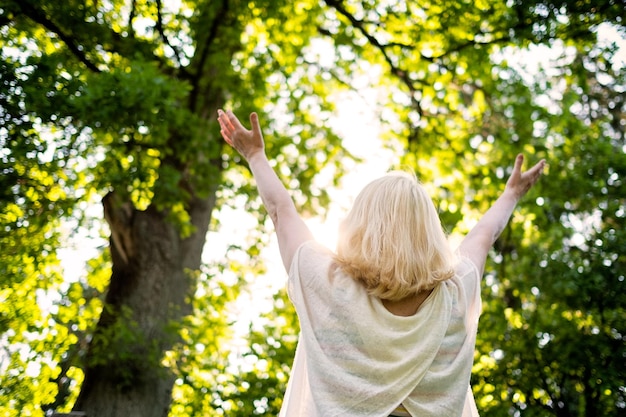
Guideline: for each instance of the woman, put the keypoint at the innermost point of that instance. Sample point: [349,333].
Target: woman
[388,323]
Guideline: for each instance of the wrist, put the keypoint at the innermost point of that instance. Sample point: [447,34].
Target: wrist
[258,155]
[511,194]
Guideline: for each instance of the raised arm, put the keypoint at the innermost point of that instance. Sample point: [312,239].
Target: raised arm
[290,228]
[481,238]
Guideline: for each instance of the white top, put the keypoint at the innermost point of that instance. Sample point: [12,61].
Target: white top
[355,358]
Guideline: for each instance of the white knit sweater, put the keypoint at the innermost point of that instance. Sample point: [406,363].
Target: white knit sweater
[355,358]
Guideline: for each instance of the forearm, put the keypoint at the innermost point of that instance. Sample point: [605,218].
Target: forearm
[272,191]
[481,238]
[496,218]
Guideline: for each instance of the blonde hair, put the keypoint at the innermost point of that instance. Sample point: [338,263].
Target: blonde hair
[392,239]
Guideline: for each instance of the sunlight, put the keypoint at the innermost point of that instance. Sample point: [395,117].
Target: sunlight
[325,231]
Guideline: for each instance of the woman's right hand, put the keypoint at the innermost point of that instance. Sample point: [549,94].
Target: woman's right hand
[520,182]
[483,235]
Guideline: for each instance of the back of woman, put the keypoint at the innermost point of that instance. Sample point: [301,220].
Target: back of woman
[355,358]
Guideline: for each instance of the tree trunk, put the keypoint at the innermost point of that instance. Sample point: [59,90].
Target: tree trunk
[149,292]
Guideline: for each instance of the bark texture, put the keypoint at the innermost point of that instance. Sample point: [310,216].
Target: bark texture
[149,291]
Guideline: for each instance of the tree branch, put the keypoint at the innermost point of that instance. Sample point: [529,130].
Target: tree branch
[205,51]
[37,16]
[131,17]
[161,30]
[402,74]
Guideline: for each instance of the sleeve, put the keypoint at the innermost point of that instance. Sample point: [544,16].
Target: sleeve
[294,289]
[471,280]
[469,408]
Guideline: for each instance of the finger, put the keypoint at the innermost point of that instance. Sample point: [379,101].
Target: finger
[519,160]
[539,166]
[535,172]
[224,121]
[226,137]
[225,127]
[221,116]
[234,121]
[226,133]
[537,169]
[254,122]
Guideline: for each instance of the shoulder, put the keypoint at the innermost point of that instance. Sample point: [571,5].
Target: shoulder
[311,273]
[465,267]
[309,257]
[466,277]
[311,249]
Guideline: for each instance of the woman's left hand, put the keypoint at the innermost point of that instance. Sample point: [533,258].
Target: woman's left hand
[247,142]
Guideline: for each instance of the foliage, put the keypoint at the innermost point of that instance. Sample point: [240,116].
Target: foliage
[121,95]
[562,333]
[259,383]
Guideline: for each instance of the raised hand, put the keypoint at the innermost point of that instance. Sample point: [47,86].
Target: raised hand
[290,228]
[483,235]
[520,182]
[246,142]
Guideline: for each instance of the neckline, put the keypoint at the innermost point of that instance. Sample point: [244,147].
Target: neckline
[408,307]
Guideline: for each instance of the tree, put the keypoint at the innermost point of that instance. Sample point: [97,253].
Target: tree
[117,100]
